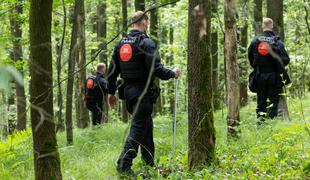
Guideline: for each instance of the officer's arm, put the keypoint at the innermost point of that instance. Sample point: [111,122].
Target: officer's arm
[251,54]
[284,55]
[153,58]
[113,71]
[104,84]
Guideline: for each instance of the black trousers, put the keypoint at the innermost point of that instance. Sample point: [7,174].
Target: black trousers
[268,93]
[141,130]
[96,112]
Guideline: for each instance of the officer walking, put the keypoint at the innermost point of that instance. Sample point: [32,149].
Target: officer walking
[96,87]
[268,57]
[136,59]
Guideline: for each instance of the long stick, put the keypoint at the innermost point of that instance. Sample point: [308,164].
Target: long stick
[175,119]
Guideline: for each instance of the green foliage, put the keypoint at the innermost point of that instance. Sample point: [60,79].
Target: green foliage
[6,74]
[277,150]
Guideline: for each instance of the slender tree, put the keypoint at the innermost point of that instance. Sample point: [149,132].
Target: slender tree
[243,66]
[200,112]
[46,156]
[139,5]
[232,70]
[275,12]
[80,58]
[214,51]
[102,36]
[17,56]
[59,50]
[258,16]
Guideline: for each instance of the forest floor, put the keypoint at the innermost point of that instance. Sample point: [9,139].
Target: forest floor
[278,150]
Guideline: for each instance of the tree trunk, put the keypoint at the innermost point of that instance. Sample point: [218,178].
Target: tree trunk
[102,36]
[80,58]
[200,112]
[46,156]
[11,125]
[17,56]
[154,35]
[171,59]
[258,16]
[243,66]
[275,12]
[232,70]
[71,69]
[139,5]
[214,51]
[60,45]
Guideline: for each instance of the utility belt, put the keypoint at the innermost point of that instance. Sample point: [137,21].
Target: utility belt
[153,91]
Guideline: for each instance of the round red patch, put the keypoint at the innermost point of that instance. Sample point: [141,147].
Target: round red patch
[263,48]
[90,84]
[126,52]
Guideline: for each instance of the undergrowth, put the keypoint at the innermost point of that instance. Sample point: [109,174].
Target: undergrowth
[278,150]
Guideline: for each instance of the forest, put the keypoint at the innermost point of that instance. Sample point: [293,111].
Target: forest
[207,123]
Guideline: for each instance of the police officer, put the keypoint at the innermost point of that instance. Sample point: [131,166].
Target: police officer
[136,59]
[268,57]
[96,88]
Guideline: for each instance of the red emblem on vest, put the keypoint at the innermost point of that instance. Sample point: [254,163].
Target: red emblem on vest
[126,52]
[90,84]
[263,48]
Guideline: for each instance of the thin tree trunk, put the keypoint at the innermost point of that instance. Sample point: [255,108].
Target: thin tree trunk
[102,36]
[171,59]
[243,66]
[83,114]
[17,56]
[214,51]
[60,120]
[70,83]
[10,108]
[258,16]
[275,12]
[200,112]
[139,5]
[46,156]
[232,70]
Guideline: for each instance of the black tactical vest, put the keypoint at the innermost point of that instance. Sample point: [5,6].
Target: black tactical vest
[131,58]
[262,53]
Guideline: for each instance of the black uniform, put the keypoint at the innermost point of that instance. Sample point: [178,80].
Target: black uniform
[133,58]
[94,96]
[268,57]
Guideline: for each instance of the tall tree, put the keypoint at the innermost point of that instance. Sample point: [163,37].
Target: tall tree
[232,70]
[59,50]
[80,58]
[17,56]
[71,67]
[139,5]
[46,156]
[124,22]
[258,16]
[155,37]
[214,51]
[200,112]
[275,12]
[243,66]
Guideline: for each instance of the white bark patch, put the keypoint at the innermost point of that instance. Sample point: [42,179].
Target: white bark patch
[201,20]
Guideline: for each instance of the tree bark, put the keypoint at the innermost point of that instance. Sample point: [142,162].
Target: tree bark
[232,70]
[171,59]
[46,156]
[243,66]
[214,52]
[102,36]
[258,16]
[139,5]
[60,45]
[275,12]
[200,112]
[80,58]
[17,56]
[70,83]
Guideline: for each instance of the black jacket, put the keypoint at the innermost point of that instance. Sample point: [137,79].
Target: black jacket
[149,49]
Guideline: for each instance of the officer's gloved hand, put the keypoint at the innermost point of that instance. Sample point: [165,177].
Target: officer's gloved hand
[177,72]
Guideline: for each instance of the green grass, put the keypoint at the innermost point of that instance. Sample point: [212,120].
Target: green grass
[280,150]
